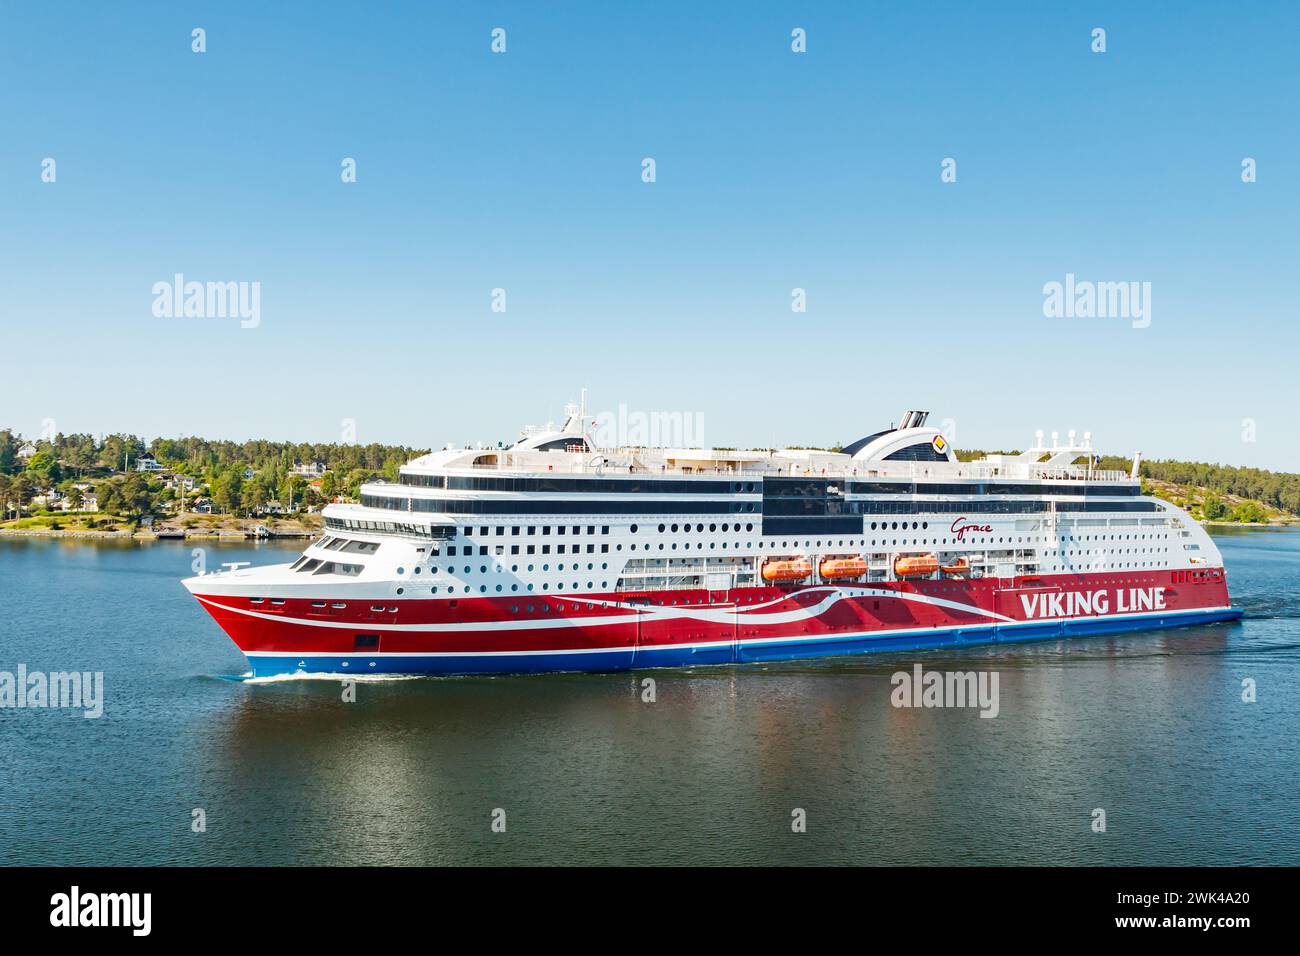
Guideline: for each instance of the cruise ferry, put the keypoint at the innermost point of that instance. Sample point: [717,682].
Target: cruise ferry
[555,554]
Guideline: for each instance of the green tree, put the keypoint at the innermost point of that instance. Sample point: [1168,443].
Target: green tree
[135,497]
[1213,508]
[8,451]
[356,478]
[44,468]
[254,494]
[109,497]
[24,490]
[226,490]
[75,457]
[1250,512]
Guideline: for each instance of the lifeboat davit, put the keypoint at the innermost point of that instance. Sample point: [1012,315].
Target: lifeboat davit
[960,566]
[834,569]
[915,565]
[793,570]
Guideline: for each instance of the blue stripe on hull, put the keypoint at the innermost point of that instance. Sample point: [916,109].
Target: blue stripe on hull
[745,652]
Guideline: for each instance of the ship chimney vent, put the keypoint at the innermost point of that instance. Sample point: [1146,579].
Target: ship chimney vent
[913,419]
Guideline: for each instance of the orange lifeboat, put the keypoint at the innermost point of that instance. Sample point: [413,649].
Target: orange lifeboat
[915,565]
[833,569]
[792,570]
[960,566]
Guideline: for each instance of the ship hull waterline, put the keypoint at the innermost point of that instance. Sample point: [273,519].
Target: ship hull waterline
[606,634]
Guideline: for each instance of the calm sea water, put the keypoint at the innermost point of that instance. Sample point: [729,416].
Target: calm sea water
[1150,727]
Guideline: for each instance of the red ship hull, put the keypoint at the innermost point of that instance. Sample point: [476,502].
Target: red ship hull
[617,631]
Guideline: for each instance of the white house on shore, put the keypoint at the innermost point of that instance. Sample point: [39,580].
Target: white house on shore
[310,469]
[147,463]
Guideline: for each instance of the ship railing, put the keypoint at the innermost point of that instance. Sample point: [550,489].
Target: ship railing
[970,469]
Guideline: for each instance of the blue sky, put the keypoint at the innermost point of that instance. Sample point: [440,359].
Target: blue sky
[775,170]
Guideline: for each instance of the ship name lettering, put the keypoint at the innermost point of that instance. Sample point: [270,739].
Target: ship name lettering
[1087,603]
[960,529]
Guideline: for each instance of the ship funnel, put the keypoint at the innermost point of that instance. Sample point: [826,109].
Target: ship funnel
[913,419]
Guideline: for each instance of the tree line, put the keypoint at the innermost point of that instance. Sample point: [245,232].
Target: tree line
[239,476]
[1276,489]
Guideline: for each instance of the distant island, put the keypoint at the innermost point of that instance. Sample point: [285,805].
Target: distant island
[194,487]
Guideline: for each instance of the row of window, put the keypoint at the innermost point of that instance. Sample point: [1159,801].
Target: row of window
[306,565]
[515,506]
[499,568]
[348,545]
[792,506]
[390,527]
[500,588]
[485,531]
[557,484]
[1093,489]
[468,549]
